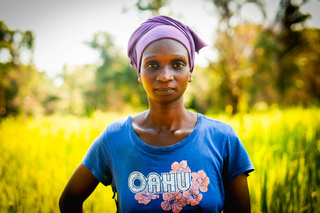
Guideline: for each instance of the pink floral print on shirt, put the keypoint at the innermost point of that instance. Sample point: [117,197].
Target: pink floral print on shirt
[175,201]
[200,180]
[193,197]
[180,167]
[145,197]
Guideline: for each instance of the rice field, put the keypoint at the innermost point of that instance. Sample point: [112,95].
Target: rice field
[39,155]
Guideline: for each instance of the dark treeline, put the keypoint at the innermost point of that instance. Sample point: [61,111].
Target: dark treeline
[259,66]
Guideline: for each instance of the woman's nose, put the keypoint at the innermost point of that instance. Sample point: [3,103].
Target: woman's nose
[165,75]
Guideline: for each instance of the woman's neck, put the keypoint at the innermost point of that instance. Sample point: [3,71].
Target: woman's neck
[167,117]
[164,125]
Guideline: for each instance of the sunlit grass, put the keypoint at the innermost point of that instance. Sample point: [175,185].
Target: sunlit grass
[285,149]
[38,156]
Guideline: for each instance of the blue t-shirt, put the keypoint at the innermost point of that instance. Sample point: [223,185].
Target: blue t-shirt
[188,176]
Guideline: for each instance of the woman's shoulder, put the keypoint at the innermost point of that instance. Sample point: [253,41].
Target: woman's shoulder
[119,124]
[212,124]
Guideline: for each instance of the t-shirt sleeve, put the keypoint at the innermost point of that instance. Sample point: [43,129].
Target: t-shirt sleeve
[237,160]
[97,159]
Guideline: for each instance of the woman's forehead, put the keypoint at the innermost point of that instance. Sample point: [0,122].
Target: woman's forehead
[165,46]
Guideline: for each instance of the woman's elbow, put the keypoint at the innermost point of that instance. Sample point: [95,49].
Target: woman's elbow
[70,204]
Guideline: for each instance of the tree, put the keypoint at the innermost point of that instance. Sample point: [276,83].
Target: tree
[152,5]
[263,88]
[14,76]
[289,41]
[286,56]
[234,46]
[116,82]
[234,65]
[23,90]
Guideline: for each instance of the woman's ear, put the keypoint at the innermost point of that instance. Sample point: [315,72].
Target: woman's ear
[190,77]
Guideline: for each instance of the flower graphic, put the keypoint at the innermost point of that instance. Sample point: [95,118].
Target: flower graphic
[144,197]
[173,201]
[200,180]
[193,197]
[180,167]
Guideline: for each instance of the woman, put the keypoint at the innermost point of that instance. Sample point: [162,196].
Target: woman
[166,158]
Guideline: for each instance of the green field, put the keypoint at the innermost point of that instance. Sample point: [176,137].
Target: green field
[39,155]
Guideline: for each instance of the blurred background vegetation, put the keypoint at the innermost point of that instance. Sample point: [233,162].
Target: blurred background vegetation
[265,82]
[274,64]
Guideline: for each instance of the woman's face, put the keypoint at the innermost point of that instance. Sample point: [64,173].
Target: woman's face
[165,71]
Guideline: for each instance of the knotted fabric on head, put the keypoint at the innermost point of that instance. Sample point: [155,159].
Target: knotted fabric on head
[161,27]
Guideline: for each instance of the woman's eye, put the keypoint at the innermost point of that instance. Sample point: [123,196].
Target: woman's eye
[152,65]
[178,65]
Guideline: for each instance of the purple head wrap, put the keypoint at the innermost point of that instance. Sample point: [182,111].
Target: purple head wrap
[160,27]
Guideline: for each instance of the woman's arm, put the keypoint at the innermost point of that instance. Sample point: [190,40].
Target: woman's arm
[81,184]
[237,195]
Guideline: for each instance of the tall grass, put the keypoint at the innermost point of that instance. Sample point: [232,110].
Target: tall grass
[38,156]
[285,149]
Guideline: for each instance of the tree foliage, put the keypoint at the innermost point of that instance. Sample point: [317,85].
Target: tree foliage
[151,5]
[258,65]
[109,86]
[234,45]
[116,82]
[19,82]
[281,52]
[228,8]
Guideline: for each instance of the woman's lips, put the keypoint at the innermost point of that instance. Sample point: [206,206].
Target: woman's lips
[164,90]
